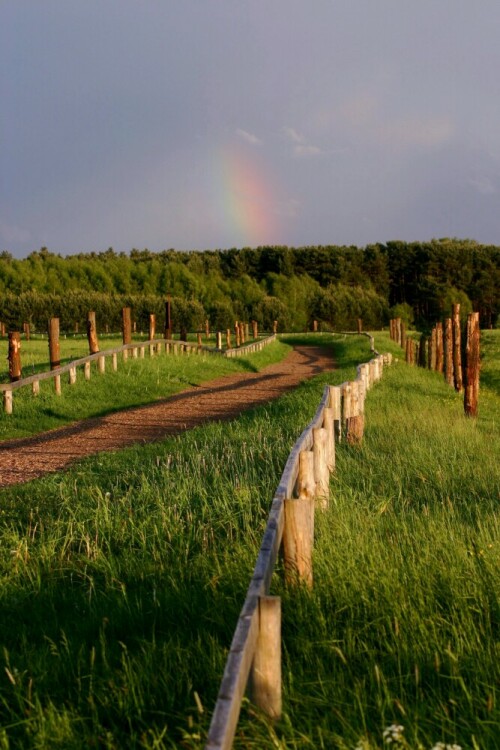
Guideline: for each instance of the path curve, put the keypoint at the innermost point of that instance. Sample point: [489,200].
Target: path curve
[224,398]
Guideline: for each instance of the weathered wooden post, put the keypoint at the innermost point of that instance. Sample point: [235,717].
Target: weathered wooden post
[298,536]
[92,333]
[457,348]
[265,675]
[255,329]
[152,326]
[439,348]
[329,426]
[354,418]
[408,352]
[360,325]
[321,472]
[448,351]
[168,318]
[26,330]
[54,351]
[315,326]
[275,326]
[126,329]
[228,338]
[335,402]
[198,337]
[242,333]
[15,369]
[472,364]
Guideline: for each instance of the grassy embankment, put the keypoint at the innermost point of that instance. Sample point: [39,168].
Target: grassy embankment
[136,382]
[121,580]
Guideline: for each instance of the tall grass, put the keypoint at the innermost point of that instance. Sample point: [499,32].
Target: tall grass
[121,581]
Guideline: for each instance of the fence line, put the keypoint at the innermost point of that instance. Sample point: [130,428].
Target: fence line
[136,349]
[255,651]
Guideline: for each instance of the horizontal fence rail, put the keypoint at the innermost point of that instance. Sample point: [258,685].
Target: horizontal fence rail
[136,349]
[254,657]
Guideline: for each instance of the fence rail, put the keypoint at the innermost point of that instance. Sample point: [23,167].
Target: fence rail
[255,649]
[136,349]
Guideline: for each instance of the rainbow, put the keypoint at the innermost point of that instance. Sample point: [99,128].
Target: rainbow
[246,199]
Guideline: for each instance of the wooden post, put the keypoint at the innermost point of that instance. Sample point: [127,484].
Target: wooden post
[26,330]
[168,318]
[298,535]
[432,352]
[448,351]
[35,388]
[321,473]
[7,402]
[315,326]
[360,325]
[255,329]
[57,385]
[403,335]
[439,348]
[265,676]
[408,352]
[354,419]
[398,331]
[114,359]
[101,365]
[72,375]
[306,483]
[92,333]
[228,338]
[329,425]
[335,403]
[275,326]
[242,333]
[219,340]
[127,325]
[54,351]
[15,369]
[86,370]
[472,365]
[199,340]
[247,331]
[346,402]
[152,326]
[457,348]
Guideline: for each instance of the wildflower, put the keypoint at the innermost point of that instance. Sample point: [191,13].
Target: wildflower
[443,746]
[393,734]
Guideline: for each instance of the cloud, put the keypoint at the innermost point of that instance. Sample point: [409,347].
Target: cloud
[300,145]
[293,136]
[248,137]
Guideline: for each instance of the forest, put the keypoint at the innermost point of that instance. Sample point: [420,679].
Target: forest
[335,285]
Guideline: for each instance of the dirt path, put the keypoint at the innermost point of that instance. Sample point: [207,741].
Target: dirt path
[27,458]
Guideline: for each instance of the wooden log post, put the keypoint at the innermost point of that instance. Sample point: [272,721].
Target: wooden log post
[391,329]
[354,418]
[126,328]
[228,338]
[439,348]
[219,341]
[329,425]
[448,351]
[152,333]
[265,674]
[86,370]
[275,326]
[255,329]
[315,326]
[360,325]
[35,388]
[114,360]
[92,333]
[54,349]
[101,364]
[14,356]
[432,350]
[408,352]
[168,318]
[398,331]
[198,338]
[7,401]
[298,535]
[321,472]
[457,348]
[306,482]
[237,332]
[247,331]
[472,365]
[335,401]
[242,333]
[26,331]
[72,376]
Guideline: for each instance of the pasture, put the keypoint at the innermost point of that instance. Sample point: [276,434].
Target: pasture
[121,579]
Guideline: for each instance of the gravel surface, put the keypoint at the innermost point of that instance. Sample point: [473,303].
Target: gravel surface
[27,458]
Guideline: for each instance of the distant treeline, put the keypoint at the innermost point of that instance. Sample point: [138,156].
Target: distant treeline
[330,284]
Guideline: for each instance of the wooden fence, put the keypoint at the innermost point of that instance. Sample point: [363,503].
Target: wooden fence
[255,652]
[135,350]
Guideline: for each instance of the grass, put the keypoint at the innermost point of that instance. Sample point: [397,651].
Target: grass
[121,581]
[136,382]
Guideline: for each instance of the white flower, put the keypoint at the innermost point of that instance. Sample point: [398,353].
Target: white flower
[393,734]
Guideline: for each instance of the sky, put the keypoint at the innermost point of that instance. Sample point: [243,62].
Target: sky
[203,124]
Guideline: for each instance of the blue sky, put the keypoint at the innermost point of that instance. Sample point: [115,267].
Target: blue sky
[200,124]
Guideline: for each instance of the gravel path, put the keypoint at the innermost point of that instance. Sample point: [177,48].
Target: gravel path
[27,458]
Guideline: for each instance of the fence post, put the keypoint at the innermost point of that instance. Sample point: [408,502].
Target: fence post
[265,676]
[472,362]
[86,370]
[219,340]
[15,369]
[126,329]
[354,420]
[457,348]
[439,348]
[321,473]
[54,352]
[275,326]
[92,333]
[72,375]
[329,425]
[7,401]
[101,365]
[448,351]
[298,535]
[114,359]
[152,334]
[335,403]
[228,338]
[168,318]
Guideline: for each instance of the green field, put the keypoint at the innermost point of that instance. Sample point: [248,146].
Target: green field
[121,580]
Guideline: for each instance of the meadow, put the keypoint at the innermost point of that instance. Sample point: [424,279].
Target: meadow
[121,579]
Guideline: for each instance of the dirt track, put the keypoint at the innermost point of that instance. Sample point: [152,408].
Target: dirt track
[220,399]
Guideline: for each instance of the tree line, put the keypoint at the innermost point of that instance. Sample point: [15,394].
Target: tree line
[335,285]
